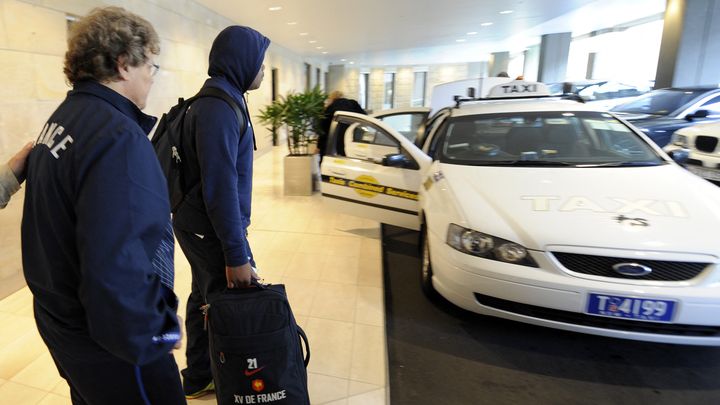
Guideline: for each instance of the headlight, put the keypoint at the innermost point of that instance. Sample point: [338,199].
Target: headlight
[487,246]
[680,140]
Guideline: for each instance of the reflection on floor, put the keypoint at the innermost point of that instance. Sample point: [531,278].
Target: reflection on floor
[331,266]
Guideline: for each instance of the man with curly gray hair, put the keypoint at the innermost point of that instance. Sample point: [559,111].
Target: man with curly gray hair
[96,236]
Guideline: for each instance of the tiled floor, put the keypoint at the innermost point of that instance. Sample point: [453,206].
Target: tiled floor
[331,266]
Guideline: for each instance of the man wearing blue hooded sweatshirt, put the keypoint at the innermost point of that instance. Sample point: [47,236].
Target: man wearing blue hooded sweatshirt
[211,223]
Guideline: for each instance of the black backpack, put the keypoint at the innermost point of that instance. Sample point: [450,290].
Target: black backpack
[172,146]
[256,351]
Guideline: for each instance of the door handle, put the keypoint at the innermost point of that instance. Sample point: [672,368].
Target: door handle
[337,173]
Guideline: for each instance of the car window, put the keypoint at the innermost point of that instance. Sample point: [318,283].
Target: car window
[371,135]
[369,143]
[407,124]
[658,102]
[608,90]
[543,138]
[430,128]
[712,105]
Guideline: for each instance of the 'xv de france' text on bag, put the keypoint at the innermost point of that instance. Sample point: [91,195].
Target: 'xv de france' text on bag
[256,350]
[172,146]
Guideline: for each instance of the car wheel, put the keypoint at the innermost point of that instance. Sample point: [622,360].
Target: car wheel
[426,271]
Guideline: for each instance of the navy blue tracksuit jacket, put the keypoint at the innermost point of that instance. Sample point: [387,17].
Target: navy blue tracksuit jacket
[96,211]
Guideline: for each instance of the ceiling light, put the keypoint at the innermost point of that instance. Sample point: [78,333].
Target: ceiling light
[319,47]
[352,63]
[325,52]
[302,34]
[472,33]
[487,24]
[343,60]
[461,40]
[312,42]
[506,12]
[292,23]
[275,8]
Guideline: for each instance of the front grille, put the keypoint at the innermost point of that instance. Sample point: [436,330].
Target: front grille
[602,266]
[706,143]
[575,318]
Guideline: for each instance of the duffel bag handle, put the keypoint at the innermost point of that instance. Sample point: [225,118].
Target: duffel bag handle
[304,339]
[253,282]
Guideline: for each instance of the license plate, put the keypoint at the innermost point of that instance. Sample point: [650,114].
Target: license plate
[643,309]
[704,172]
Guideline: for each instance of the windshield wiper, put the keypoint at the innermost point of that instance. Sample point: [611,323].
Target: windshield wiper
[528,163]
[629,112]
[622,164]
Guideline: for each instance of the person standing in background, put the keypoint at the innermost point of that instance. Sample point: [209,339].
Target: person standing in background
[335,102]
[97,244]
[12,174]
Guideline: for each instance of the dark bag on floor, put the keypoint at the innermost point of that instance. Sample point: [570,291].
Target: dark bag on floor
[256,352]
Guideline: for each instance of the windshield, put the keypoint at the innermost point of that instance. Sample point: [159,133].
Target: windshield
[543,139]
[658,102]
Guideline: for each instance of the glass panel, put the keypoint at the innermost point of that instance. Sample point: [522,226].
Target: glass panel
[406,124]
[658,102]
[363,93]
[371,135]
[418,97]
[389,101]
[712,105]
[544,139]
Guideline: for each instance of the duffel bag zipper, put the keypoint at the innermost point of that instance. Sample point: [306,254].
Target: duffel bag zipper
[204,310]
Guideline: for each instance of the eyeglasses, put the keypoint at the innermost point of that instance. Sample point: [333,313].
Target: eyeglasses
[154,68]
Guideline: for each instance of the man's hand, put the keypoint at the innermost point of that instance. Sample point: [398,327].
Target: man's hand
[239,276]
[17,162]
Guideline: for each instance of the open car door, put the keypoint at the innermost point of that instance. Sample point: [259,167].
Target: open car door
[372,171]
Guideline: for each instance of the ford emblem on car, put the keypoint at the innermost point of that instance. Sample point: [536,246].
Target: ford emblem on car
[632,269]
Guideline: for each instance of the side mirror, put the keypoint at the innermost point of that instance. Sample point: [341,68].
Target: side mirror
[680,156]
[697,114]
[399,160]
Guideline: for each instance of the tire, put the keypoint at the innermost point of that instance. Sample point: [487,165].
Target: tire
[426,271]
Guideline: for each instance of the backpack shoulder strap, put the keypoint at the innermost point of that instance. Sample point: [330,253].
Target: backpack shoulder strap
[217,93]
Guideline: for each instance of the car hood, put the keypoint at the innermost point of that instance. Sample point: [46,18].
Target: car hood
[658,127]
[659,208]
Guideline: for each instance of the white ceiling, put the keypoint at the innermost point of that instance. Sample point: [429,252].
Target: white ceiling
[423,31]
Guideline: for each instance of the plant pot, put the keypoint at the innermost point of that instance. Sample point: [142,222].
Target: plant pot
[299,145]
[298,174]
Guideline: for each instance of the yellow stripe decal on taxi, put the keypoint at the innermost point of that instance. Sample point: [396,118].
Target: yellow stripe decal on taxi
[367,186]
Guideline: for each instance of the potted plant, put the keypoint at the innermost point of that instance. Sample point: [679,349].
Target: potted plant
[273,115]
[299,113]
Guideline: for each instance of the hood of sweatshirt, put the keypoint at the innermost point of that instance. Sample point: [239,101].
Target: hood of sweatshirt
[237,55]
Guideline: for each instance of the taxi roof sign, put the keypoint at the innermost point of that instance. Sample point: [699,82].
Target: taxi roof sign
[519,88]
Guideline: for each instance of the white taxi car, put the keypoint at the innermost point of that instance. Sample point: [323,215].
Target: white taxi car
[543,211]
[703,144]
